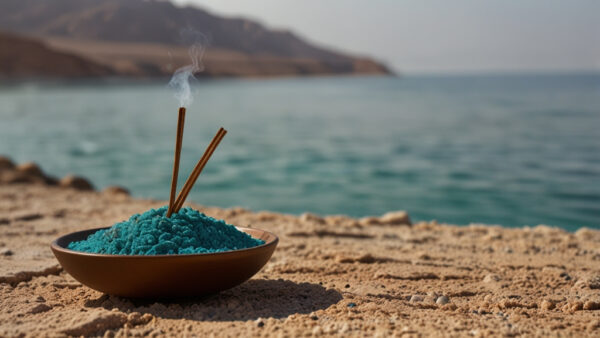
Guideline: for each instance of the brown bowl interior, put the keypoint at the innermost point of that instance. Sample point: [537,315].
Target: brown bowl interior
[161,276]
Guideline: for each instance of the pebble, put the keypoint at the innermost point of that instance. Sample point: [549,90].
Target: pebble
[27,216]
[259,322]
[589,305]
[547,305]
[365,221]
[30,169]
[565,276]
[351,305]
[6,163]
[442,300]
[396,218]
[311,218]
[115,190]
[416,298]
[75,182]
[6,252]
[593,282]
[491,278]
[42,307]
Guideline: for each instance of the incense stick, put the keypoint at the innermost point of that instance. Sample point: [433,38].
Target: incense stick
[187,187]
[178,142]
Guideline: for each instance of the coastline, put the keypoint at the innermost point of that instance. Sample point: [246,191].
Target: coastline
[331,275]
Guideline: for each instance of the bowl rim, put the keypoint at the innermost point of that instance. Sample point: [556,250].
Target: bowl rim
[56,247]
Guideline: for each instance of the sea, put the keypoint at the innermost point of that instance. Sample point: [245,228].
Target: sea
[512,150]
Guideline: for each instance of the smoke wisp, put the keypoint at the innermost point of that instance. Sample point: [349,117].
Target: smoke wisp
[180,82]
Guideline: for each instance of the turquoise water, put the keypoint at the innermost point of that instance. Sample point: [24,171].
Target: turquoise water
[510,150]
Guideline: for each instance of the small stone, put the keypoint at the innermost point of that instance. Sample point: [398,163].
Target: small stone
[547,305]
[6,163]
[565,276]
[347,286]
[442,300]
[576,306]
[491,278]
[585,233]
[75,182]
[594,282]
[6,252]
[311,218]
[16,177]
[115,190]
[30,169]
[39,299]
[133,318]
[366,221]
[136,318]
[147,317]
[433,294]
[396,218]
[351,305]
[415,299]
[259,322]
[366,258]
[43,307]
[27,216]
[265,216]
[449,307]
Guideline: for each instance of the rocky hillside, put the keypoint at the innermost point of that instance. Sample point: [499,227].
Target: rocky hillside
[160,23]
[26,58]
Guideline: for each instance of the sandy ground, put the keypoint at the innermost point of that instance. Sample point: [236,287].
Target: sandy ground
[332,276]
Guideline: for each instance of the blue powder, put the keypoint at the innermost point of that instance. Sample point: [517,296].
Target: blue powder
[152,233]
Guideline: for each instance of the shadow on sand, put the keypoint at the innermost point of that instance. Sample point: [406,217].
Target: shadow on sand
[255,298]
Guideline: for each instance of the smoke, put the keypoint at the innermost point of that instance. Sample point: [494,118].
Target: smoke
[180,82]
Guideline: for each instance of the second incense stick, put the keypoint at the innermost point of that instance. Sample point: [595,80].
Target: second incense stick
[178,143]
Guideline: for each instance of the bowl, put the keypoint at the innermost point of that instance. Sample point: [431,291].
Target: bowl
[163,276]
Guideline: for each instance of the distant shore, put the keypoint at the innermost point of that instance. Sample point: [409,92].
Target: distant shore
[26,57]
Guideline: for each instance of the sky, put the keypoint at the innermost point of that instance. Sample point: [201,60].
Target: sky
[439,36]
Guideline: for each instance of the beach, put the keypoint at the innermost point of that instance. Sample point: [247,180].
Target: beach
[332,275]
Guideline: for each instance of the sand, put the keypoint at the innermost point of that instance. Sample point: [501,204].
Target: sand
[330,275]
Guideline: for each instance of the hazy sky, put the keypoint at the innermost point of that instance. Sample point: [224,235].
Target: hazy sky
[428,36]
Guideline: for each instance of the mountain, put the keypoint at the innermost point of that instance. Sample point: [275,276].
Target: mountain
[28,58]
[250,47]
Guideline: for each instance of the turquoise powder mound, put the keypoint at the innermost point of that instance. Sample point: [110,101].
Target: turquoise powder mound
[152,233]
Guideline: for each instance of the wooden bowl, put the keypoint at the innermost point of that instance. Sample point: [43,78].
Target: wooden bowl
[159,276]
